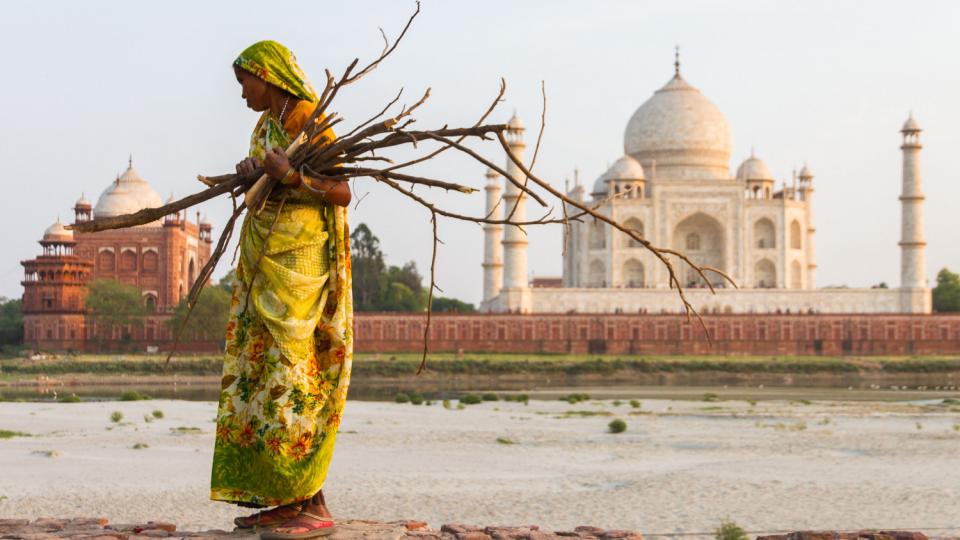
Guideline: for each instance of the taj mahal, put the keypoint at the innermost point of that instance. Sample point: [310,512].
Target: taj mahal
[673,185]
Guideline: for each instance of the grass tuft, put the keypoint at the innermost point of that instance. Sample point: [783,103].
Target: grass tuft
[116,417]
[7,434]
[617,426]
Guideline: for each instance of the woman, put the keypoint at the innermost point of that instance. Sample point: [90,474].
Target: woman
[289,342]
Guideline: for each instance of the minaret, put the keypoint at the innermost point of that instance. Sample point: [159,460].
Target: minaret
[806,192]
[492,236]
[514,239]
[913,267]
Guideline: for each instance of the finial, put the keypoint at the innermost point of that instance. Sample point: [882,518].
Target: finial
[130,161]
[576,176]
[676,60]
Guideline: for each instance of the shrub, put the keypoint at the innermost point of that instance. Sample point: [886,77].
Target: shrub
[140,446]
[617,426]
[710,396]
[490,397]
[575,398]
[401,397]
[133,395]
[617,403]
[158,414]
[7,434]
[504,440]
[446,404]
[729,530]
[416,398]
[72,398]
[635,403]
[116,416]
[470,399]
[523,398]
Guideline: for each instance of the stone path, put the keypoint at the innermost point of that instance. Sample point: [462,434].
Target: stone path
[101,529]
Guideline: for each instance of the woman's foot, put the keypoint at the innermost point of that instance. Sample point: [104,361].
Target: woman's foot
[314,520]
[269,518]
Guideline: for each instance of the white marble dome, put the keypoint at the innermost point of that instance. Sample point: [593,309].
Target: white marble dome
[678,126]
[129,193]
[910,125]
[753,168]
[57,233]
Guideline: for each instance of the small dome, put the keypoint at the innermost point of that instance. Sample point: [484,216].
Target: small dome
[57,233]
[910,125]
[129,193]
[753,168]
[625,168]
[82,202]
[805,172]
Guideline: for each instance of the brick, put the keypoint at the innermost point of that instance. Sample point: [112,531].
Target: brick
[588,530]
[473,535]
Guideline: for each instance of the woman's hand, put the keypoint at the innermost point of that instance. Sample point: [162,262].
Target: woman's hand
[275,163]
[248,165]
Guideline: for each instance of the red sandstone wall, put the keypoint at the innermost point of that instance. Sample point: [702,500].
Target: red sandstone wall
[742,334]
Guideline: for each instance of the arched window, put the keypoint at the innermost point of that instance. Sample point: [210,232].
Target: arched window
[765,274]
[764,234]
[128,260]
[635,225]
[597,235]
[796,275]
[796,241]
[633,273]
[150,301]
[598,274]
[106,262]
[693,241]
[150,261]
[191,270]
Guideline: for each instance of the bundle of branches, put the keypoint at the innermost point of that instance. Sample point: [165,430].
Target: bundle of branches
[360,153]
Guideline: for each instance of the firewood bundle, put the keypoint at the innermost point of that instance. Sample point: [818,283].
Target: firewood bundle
[364,151]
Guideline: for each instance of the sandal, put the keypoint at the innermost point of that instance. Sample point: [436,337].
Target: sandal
[315,526]
[267,518]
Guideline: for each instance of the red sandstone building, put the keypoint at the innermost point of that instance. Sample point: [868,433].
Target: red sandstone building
[161,259]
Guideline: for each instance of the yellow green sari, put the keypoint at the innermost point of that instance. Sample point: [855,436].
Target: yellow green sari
[289,340]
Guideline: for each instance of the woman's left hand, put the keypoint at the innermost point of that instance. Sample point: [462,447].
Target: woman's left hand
[275,163]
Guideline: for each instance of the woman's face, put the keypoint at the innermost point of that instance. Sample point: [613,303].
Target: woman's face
[256,91]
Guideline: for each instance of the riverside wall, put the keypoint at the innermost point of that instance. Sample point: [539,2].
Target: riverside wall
[663,334]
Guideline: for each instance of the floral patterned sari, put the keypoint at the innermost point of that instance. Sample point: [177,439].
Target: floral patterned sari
[289,340]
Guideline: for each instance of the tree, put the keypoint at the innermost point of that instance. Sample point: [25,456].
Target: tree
[452,305]
[112,304]
[11,323]
[369,270]
[226,282]
[208,320]
[946,295]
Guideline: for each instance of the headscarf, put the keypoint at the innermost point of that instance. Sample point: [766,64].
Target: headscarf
[275,64]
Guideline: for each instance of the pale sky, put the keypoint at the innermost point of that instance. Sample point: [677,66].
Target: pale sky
[84,84]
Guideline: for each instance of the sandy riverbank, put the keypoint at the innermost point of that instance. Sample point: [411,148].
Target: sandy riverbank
[681,466]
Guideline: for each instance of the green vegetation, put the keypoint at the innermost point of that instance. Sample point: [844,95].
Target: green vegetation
[401,364]
[946,295]
[416,398]
[710,396]
[70,398]
[617,403]
[635,403]
[470,399]
[116,417]
[587,413]
[140,446]
[490,397]
[186,430]
[11,326]
[377,287]
[574,398]
[7,434]
[133,395]
[504,440]
[209,316]
[617,426]
[114,305]
[157,413]
[729,530]
[402,397]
